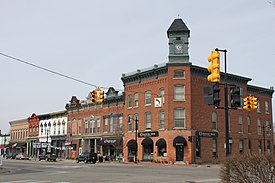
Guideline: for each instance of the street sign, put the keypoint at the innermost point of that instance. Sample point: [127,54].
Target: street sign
[206,134]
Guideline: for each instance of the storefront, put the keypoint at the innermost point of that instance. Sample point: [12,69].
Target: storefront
[111,148]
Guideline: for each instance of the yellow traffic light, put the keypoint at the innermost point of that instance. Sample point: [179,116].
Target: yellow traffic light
[214,67]
[254,103]
[247,103]
[100,96]
[94,96]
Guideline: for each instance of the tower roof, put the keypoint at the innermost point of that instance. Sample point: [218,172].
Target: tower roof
[178,26]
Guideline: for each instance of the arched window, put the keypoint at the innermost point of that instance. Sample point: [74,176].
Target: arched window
[161,144]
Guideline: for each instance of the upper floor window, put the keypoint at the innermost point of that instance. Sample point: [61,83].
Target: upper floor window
[179,92]
[148,97]
[148,121]
[179,118]
[241,145]
[112,124]
[86,125]
[214,121]
[161,119]
[92,125]
[136,100]
[259,106]
[248,125]
[98,125]
[259,127]
[267,127]
[130,123]
[266,107]
[161,94]
[130,101]
[120,118]
[106,125]
[178,74]
[240,124]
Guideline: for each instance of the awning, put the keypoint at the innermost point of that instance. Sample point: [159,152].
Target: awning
[132,144]
[21,144]
[147,142]
[179,141]
[161,143]
[10,145]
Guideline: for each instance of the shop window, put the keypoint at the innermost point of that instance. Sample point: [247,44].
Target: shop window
[214,149]
[161,144]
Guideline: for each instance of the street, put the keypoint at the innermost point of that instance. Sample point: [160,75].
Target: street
[67,171]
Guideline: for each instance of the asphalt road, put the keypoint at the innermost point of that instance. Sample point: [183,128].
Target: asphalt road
[24,171]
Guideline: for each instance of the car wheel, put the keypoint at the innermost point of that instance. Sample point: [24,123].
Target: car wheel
[47,159]
[39,159]
[85,161]
[77,161]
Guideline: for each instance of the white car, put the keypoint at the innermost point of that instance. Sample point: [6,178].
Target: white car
[21,156]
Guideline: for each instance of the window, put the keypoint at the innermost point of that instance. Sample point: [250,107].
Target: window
[259,127]
[249,145]
[98,125]
[161,94]
[179,92]
[63,129]
[259,106]
[86,125]
[161,144]
[268,146]
[92,125]
[214,121]
[148,120]
[136,100]
[161,119]
[240,124]
[79,130]
[214,150]
[241,145]
[135,122]
[120,123]
[266,107]
[112,124]
[248,125]
[130,126]
[148,98]
[267,127]
[130,101]
[178,74]
[179,117]
[106,126]
[260,145]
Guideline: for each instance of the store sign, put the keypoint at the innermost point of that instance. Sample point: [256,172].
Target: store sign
[206,134]
[148,134]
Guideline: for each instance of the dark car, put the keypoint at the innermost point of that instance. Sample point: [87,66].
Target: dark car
[87,157]
[10,155]
[47,157]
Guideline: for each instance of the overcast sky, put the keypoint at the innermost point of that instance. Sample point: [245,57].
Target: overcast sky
[97,41]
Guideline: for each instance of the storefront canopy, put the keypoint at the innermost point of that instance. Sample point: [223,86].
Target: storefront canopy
[161,143]
[147,142]
[132,144]
[179,141]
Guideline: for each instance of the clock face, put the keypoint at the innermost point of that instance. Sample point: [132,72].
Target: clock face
[178,48]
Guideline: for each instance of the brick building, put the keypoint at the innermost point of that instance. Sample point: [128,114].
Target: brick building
[161,114]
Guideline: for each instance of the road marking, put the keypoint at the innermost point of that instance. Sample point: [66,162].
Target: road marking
[32,181]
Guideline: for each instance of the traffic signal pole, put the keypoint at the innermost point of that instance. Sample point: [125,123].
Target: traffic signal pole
[225,103]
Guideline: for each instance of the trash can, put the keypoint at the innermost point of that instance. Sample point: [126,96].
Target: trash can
[100,159]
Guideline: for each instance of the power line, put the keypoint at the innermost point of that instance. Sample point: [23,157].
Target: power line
[47,70]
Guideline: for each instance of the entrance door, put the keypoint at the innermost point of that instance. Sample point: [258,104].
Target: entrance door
[179,152]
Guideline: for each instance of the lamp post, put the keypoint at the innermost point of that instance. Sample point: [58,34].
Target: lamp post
[136,134]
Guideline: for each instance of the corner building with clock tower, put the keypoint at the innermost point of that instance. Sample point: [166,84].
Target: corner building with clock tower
[161,115]
[165,112]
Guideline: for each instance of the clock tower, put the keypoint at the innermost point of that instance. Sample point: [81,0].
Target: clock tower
[178,34]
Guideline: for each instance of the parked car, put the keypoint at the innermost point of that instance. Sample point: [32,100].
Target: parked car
[10,156]
[87,157]
[47,157]
[21,156]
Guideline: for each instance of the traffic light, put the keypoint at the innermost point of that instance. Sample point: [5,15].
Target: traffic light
[94,96]
[216,94]
[214,67]
[254,103]
[235,93]
[100,96]
[247,101]
[213,92]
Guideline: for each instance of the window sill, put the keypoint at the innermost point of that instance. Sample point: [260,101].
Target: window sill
[179,78]
[182,100]
[147,105]
[179,128]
